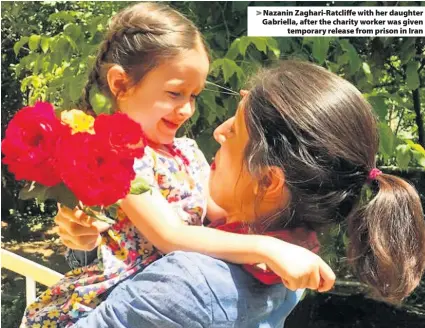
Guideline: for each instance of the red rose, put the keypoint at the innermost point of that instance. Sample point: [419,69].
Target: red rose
[96,173]
[30,143]
[124,134]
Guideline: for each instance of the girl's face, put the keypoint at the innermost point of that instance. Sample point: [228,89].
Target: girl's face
[165,98]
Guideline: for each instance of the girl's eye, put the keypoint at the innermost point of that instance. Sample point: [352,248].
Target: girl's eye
[194,96]
[174,94]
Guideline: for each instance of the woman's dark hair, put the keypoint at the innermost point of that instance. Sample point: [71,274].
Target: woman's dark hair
[139,38]
[321,132]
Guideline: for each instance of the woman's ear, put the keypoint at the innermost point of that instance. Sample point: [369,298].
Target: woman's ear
[118,81]
[271,184]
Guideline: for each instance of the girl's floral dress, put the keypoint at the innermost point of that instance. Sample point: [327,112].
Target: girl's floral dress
[124,250]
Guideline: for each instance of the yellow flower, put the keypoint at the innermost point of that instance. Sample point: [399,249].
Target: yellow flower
[34,306]
[77,271]
[115,235]
[78,121]
[121,254]
[46,297]
[36,325]
[165,192]
[75,298]
[49,324]
[89,297]
[53,314]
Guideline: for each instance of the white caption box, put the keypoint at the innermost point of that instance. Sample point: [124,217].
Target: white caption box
[336,21]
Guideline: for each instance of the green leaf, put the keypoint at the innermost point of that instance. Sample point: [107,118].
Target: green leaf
[320,48]
[418,148]
[72,30]
[98,216]
[407,53]
[18,45]
[71,42]
[367,71]
[76,87]
[113,211]
[66,16]
[233,51]
[44,43]
[285,44]
[260,44]
[379,106]
[355,60]
[420,158]
[229,68]
[139,186]
[386,140]
[273,46]
[403,156]
[62,194]
[33,42]
[208,98]
[412,76]
[216,64]
[33,190]
[245,41]
[195,117]
[100,103]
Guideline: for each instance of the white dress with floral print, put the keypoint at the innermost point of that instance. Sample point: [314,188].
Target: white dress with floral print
[124,250]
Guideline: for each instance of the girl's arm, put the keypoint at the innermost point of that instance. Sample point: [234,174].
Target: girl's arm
[154,217]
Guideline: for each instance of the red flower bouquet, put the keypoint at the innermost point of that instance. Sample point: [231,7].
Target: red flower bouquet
[76,160]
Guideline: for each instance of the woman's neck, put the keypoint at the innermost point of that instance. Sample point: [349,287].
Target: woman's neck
[238,216]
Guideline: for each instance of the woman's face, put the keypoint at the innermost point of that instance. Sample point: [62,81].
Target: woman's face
[231,186]
[165,98]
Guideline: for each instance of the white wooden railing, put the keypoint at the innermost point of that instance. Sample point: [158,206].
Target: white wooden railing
[32,271]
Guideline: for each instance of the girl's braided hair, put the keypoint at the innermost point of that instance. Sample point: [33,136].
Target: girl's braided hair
[139,38]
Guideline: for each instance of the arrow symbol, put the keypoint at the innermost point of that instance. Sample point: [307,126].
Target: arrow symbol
[258,12]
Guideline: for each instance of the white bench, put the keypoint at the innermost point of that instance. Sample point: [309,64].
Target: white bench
[32,271]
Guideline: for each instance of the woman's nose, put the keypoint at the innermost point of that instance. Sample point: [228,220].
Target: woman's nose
[222,130]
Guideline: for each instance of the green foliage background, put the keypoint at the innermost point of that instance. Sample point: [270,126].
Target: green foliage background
[49,47]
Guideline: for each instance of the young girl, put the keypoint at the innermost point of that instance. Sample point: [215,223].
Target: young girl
[153,64]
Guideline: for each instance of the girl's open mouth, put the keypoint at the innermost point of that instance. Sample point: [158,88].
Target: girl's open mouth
[170,125]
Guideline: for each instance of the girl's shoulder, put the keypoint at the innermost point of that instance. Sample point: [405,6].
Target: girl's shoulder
[190,149]
[186,143]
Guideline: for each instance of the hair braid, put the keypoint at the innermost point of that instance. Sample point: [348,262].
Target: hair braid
[93,78]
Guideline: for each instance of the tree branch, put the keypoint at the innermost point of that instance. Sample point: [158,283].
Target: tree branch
[419,119]
[386,84]
[400,118]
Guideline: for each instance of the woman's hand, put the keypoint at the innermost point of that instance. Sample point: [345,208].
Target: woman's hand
[77,230]
[297,266]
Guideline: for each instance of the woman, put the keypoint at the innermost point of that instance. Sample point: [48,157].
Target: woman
[289,160]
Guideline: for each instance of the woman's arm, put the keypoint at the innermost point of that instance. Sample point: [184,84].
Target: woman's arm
[298,267]
[214,212]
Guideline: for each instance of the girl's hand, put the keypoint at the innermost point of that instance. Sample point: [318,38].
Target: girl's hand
[297,266]
[77,230]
